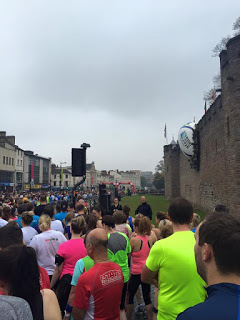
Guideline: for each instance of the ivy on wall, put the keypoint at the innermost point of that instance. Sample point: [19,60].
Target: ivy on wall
[195,159]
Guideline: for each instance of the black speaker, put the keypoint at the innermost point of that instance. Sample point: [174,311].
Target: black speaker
[78,162]
[102,189]
[102,195]
[108,202]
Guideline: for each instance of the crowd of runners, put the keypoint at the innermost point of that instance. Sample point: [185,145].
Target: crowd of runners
[64,261]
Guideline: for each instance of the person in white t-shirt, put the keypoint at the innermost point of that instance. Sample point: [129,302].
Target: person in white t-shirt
[28,232]
[2,221]
[46,244]
[55,224]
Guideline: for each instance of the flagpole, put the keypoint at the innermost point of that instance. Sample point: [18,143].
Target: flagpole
[165,133]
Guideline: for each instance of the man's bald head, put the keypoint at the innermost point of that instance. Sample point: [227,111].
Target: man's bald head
[98,238]
[143,199]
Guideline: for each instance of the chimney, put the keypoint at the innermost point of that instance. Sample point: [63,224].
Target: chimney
[11,139]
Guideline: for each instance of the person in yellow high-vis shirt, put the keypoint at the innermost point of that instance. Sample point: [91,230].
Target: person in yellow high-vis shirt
[172,260]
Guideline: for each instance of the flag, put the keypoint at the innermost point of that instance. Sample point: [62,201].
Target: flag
[32,171]
[213,95]
[165,131]
[205,107]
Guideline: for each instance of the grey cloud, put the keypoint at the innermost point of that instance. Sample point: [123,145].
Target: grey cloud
[138,64]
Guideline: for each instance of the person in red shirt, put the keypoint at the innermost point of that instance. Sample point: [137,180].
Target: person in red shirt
[98,291]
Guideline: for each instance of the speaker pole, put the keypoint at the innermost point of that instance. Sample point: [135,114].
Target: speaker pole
[75,187]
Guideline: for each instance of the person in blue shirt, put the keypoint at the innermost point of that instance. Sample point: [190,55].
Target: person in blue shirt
[61,215]
[217,255]
[27,207]
[196,221]
[126,211]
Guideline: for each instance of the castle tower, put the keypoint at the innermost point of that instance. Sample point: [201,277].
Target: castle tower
[230,78]
[218,180]
[171,175]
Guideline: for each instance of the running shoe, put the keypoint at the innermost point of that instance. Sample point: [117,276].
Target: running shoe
[140,308]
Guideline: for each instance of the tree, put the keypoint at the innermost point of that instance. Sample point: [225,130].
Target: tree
[236,27]
[143,182]
[220,46]
[217,81]
[210,95]
[158,181]
[160,166]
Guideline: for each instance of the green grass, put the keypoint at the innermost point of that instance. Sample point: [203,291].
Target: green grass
[157,203]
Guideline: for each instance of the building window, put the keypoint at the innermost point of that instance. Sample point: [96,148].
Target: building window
[66,183]
[21,162]
[3,159]
[6,176]
[36,169]
[18,162]
[54,183]
[45,172]
[12,161]
[55,176]
[66,176]
[6,160]
[18,151]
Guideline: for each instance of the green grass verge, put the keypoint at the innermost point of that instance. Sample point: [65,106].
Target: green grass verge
[157,203]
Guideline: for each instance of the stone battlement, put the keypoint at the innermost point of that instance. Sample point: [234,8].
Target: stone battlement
[218,179]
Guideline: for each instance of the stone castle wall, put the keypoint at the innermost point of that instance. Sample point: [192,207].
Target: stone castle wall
[218,180]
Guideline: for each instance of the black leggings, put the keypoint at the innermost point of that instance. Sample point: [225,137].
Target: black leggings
[63,290]
[123,298]
[134,283]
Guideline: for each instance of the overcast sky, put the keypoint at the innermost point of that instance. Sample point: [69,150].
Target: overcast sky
[109,73]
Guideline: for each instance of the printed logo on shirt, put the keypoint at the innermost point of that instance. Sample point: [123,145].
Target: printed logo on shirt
[110,277]
[52,239]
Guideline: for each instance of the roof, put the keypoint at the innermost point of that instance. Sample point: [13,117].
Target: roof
[173,142]
[88,166]
[58,171]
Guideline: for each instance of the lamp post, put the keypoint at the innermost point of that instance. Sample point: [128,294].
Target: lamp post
[61,174]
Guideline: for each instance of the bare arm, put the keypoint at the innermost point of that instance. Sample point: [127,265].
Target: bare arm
[78,314]
[99,224]
[51,310]
[70,300]
[157,233]
[153,237]
[148,276]
[56,274]
[133,243]
[71,296]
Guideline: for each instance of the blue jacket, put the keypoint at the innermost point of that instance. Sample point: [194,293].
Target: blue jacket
[223,303]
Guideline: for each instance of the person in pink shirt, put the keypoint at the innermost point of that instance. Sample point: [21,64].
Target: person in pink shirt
[140,243]
[68,254]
